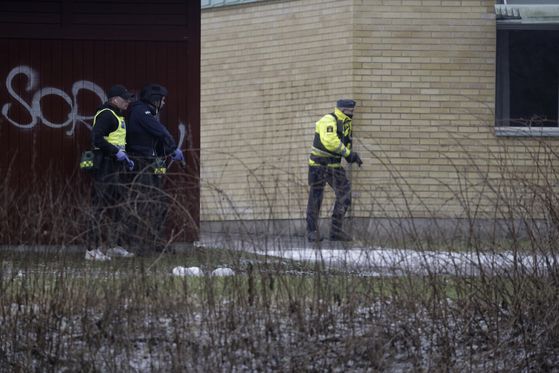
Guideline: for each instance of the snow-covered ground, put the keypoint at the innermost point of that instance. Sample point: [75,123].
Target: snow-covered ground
[382,261]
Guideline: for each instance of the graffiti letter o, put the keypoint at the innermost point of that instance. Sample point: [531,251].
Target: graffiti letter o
[52,91]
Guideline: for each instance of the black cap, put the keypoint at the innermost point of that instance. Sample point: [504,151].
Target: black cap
[120,91]
[344,103]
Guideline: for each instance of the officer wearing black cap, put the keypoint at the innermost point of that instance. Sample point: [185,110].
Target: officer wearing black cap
[109,129]
[108,137]
[332,141]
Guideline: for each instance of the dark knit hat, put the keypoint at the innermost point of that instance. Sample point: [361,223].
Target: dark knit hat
[120,91]
[345,103]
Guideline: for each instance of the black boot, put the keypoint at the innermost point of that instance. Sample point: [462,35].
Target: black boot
[313,236]
[340,236]
[336,232]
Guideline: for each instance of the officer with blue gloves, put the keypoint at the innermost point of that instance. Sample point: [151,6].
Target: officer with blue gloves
[148,142]
[147,137]
[108,137]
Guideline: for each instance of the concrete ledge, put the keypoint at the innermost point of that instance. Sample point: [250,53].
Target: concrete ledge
[384,229]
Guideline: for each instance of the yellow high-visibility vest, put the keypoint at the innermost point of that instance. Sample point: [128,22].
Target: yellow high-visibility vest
[118,136]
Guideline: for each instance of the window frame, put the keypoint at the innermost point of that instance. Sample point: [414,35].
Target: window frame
[502,84]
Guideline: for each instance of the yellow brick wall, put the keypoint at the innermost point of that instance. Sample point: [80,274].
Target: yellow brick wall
[269,71]
[423,73]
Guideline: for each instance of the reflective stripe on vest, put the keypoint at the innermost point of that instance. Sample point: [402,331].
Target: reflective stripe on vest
[118,136]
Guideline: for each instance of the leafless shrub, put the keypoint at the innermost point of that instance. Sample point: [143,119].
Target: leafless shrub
[467,312]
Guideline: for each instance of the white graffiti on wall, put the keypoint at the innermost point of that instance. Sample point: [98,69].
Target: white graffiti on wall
[34,108]
[36,112]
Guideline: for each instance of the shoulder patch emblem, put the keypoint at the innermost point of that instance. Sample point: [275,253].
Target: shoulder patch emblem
[329,129]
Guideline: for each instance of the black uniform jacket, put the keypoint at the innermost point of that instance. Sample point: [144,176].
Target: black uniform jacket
[145,135]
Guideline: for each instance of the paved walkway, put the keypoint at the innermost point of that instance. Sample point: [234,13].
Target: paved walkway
[371,260]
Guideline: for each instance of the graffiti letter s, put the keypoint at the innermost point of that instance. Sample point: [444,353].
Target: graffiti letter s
[32,82]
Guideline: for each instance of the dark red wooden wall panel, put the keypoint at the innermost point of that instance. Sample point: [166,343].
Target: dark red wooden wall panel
[60,57]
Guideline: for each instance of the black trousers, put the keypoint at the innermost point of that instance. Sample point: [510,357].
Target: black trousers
[149,207]
[319,176]
[108,200]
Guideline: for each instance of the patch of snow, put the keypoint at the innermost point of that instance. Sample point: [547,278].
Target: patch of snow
[96,255]
[187,271]
[199,245]
[223,271]
[406,261]
[119,251]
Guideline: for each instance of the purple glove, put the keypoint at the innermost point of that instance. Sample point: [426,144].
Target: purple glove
[177,155]
[121,156]
[130,165]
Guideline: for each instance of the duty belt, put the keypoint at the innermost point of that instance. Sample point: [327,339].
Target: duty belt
[119,147]
[325,160]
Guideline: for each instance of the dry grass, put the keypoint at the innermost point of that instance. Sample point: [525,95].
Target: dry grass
[60,313]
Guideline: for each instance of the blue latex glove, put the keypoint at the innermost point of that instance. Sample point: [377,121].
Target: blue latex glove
[130,164]
[177,155]
[121,156]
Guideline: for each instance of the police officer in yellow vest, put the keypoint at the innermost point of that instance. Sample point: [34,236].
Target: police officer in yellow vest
[108,137]
[332,141]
